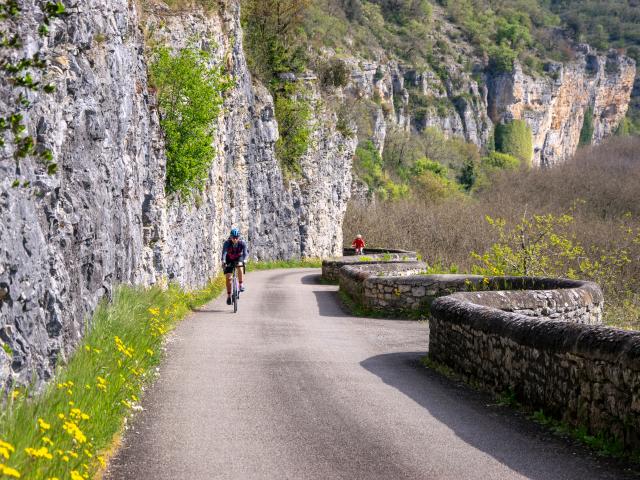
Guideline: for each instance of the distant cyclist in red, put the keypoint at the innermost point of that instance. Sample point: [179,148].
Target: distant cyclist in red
[358,244]
[234,251]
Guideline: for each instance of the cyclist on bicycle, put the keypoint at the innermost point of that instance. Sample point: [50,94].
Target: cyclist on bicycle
[234,251]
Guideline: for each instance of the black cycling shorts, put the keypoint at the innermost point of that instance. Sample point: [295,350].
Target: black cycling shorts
[229,268]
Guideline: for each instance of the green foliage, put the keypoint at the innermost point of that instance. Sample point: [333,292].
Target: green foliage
[333,73]
[369,166]
[502,161]
[190,95]
[502,58]
[540,245]
[586,133]
[545,245]
[515,139]
[80,411]
[293,112]
[272,41]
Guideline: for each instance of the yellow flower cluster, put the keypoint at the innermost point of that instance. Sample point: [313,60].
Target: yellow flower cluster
[42,452]
[127,351]
[6,449]
[74,431]
[101,383]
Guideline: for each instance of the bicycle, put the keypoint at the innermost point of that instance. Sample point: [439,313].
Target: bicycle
[235,292]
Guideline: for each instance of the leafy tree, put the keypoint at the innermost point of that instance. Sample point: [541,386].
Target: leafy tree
[190,95]
[272,30]
[515,138]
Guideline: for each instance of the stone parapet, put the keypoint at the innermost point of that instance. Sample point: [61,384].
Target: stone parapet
[539,338]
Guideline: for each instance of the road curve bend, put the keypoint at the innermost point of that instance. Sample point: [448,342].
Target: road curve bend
[292,387]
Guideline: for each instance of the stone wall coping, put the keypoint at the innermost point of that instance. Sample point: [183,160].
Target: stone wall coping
[594,342]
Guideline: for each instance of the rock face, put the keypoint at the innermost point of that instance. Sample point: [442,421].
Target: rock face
[104,218]
[466,101]
[555,106]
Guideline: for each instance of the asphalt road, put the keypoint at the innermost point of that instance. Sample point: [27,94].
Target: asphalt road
[291,387]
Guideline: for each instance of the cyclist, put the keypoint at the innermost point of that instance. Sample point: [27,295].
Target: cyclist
[358,244]
[234,251]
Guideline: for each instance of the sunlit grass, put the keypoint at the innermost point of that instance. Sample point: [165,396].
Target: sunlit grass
[62,431]
[296,263]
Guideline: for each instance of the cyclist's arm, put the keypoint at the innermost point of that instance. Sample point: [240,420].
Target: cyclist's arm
[245,252]
[225,247]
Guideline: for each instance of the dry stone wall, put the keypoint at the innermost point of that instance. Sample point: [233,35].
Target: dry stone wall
[538,338]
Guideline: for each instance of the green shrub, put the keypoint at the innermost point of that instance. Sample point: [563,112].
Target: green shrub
[515,139]
[424,164]
[586,133]
[503,161]
[293,112]
[333,73]
[190,96]
[502,58]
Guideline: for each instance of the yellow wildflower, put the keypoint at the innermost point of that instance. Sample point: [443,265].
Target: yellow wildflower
[87,348]
[11,472]
[72,453]
[47,440]
[88,453]
[42,452]
[15,394]
[53,478]
[75,475]
[102,461]
[154,311]
[65,458]
[61,416]
[8,446]
[74,431]
[43,425]
[149,351]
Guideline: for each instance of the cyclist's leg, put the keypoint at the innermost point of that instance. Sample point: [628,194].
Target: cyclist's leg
[240,278]
[228,273]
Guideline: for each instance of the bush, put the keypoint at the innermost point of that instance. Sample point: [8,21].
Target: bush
[293,113]
[515,139]
[190,95]
[502,58]
[333,73]
[502,161]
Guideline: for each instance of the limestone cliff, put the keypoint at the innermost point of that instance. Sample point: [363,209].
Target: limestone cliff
[469,103]
[66,239]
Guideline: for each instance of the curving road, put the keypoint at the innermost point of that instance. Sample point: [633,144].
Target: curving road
[291,387]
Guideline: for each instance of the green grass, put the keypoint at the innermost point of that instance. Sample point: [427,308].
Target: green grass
[294,263]
[65,430]
[358,310]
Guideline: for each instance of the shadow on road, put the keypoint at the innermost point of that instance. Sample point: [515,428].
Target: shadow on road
[329,304]
[497,431]
[313,279]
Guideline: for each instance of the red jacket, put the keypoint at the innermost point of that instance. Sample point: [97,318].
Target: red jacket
[358,243]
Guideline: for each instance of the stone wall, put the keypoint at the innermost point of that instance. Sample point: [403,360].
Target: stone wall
[540,338]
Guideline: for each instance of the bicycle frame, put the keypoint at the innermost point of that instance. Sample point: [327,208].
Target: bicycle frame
[235,292]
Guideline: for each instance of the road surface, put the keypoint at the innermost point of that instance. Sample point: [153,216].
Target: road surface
[292,387]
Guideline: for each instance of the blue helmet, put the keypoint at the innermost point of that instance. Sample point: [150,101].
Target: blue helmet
[235,232]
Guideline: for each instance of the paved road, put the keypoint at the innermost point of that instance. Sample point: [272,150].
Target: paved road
[291,387]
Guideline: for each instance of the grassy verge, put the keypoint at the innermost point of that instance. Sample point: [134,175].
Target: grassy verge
[600,443]
[63,431]
[295,263]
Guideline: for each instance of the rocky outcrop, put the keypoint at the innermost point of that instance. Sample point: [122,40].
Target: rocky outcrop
[555,105]
[468,101]
[104,218]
